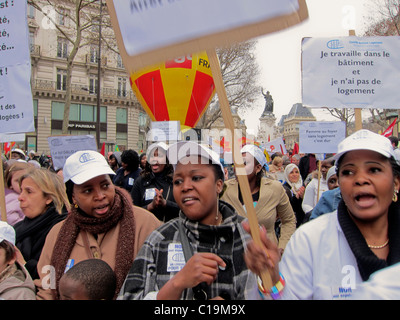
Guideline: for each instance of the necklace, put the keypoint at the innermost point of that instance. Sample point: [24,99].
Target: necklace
[379,247]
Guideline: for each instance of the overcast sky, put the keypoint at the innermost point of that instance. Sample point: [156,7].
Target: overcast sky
[279,54]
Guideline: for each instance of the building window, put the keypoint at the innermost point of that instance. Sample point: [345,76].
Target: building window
[93,84]
[62,48]
[94,54]
[31,41]
[61,79]
[121,140]
[61,17]
[121,91]
[119,62]
[142,119]
[31,11]
[122,116]
[78,112]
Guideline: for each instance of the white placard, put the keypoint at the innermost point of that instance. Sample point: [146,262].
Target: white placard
[10,137]
[147,25]
[164,131]
[14,40]
[149,32]
[276,145]
[320,137]
[351,72]
[61,147]
[16,104]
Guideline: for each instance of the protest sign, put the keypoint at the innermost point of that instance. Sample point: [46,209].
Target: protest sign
[320,137]
[276,145]
[146,36]
[16,104]
[351,72]
[61,147]
[164,131]
[8,137]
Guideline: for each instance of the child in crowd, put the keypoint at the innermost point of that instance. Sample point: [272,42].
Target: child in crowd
[91,279]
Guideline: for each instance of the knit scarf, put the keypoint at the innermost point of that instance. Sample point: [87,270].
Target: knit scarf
[77,221]
[367,261]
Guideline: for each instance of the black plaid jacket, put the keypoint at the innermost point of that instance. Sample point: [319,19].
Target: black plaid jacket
[149,270]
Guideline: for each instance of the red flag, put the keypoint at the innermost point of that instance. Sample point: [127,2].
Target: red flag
[103,149]
[8,146]
[389,131]
[295,148]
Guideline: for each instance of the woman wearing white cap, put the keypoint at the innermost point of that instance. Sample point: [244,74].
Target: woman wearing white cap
[270,199]
[102,223]
[200,254]
[152,190]
[328,257]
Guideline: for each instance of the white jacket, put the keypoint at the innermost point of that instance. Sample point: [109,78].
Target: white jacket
[311,195]
[382,284]
[318,263]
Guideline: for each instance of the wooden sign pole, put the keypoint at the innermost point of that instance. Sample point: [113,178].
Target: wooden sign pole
[357,111]
[2,192]
[237,157]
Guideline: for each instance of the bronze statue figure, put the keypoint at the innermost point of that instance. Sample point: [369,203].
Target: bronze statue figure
[269,103]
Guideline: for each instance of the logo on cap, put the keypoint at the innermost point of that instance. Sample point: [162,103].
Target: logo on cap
[85,157]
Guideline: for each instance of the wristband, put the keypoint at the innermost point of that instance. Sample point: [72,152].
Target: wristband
[276,291]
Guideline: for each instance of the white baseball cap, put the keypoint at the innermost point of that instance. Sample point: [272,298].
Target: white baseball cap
[85,165]
[256,152]
[7,232]
[365,140]
[17,150]
[177,152]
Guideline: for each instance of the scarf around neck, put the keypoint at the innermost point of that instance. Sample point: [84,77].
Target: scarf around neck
[367,261]
[77,221]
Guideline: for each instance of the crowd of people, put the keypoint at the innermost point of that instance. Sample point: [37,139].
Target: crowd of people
[171,224]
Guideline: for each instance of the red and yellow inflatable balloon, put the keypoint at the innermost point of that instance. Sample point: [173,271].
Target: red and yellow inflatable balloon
[176,90]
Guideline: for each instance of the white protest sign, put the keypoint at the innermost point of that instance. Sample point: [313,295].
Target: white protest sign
[146,27]
[145,32]
[351,72]
[16,104]
[9,137]
[320,137]
[61,147]
[164,131]
[276,145]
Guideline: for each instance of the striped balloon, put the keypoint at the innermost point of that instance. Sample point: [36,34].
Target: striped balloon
[176,90]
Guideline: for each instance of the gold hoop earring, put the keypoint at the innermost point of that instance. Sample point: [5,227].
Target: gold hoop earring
[394,198]
[76,206]
[217,215]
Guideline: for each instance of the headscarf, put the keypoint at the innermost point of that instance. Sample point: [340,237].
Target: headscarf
[295,185]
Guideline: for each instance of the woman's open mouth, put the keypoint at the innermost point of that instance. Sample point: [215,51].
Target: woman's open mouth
[101,209]
[365,199]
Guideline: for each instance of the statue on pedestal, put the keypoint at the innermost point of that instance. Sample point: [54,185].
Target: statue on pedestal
[269,103]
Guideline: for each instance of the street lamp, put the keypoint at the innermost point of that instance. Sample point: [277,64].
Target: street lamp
[98,81]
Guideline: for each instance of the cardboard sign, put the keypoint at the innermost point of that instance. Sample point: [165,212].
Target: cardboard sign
[351,72]
[321,137]
[61,147]
[146,35]
[16,103]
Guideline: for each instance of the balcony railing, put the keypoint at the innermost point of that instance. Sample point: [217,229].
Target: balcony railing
[110,93]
